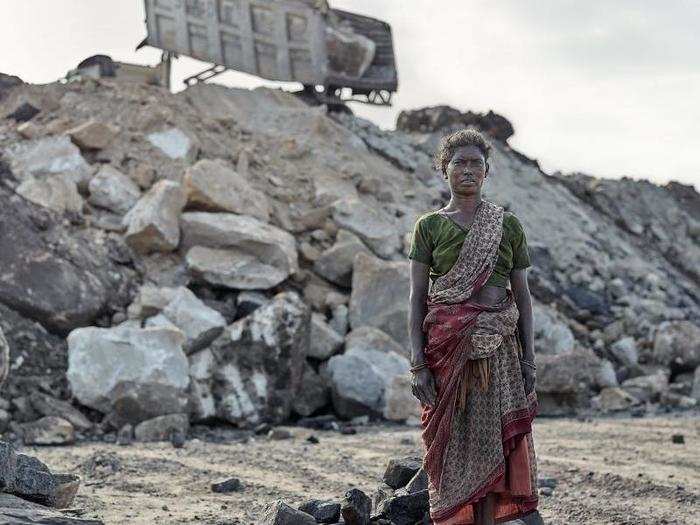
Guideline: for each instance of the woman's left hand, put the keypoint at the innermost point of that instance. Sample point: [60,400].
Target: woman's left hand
[529,378]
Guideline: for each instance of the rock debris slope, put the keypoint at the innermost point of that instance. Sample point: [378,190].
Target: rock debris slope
[236,255]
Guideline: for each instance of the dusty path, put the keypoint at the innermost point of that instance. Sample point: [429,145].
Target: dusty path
[616,471]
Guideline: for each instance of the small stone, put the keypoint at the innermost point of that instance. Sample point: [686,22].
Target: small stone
[125,436]
[161,428]
[356,507]
[24,113]
[29,130]
[324,511]
[279,513]
[545,491]
[178,439]
[228,485]
[547,482]
[312,439]
[262,428]
[279,433]
[399,471]
[678,438]
[348,430]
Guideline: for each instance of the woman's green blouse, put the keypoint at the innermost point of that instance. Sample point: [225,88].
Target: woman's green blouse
[437,242]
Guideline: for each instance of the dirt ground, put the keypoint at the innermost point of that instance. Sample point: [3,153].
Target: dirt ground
[608,471]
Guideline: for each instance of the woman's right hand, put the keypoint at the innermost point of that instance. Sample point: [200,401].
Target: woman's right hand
[423,386]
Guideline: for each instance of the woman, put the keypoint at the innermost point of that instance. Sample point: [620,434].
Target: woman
[472,347]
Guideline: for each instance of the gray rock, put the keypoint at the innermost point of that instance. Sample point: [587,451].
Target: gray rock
[279,513]
[418,482]
[210,185]
[359,377]
[323,511]
[125,436]
[4,358]
[625,351]
[335,264]
[99,359]
[50,406]
[339,320]
[277,434]
[613,399]
[399,471]
[153,223]
[232,268]
[49,430]
[201,398]
[314,393]
[677,345]
[374,226]
[112,190]
[553,335]
[46,157]
[403,508]
[133,402]
[565,381]
[356,507]
[648,387]
[200,324]
[269,244]
[173,143]
[606,376]
[92,135]
[56,192]
[226,486]
[161,428]
[17,511]
[378,299]
[259,360]
[399,402]
[695,392]
[150,301]
[325,341]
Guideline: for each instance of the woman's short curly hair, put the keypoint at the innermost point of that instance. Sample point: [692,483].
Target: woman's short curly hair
[449,143]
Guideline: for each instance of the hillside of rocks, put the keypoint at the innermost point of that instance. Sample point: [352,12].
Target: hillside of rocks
[238,256]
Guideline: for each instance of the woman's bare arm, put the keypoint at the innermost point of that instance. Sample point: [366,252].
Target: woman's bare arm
[417,302]
[521,293]
[423,384]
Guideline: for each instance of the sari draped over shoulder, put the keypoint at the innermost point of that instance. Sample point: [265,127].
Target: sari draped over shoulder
[477,438]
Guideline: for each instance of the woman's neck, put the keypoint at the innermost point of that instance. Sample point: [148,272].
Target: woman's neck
[465,204]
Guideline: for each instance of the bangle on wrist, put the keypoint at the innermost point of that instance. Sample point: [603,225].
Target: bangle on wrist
[418,366]
[531,364]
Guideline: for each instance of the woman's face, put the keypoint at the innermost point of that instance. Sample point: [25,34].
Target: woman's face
[466,170]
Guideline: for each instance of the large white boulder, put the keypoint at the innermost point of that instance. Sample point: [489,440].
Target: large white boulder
[101,360]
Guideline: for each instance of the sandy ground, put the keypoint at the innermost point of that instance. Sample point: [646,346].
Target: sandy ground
[621,471]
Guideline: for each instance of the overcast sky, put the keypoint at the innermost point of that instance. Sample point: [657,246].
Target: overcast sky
[610,88]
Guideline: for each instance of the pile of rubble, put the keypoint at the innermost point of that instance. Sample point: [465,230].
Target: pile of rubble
[401,498]
[233,255]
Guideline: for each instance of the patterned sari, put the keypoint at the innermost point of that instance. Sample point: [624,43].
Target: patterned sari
[477,438]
